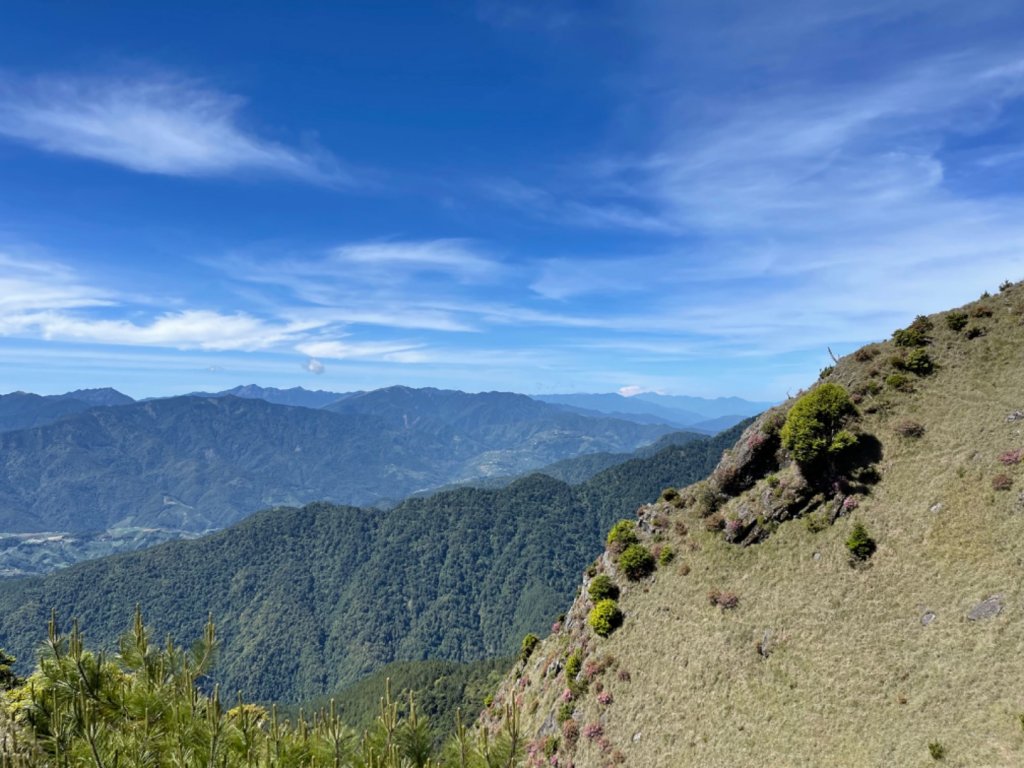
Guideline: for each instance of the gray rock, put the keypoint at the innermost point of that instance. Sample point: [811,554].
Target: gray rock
[927,618]
[816,556]
[936,507]
[1015,416]
[549,727]
[986,609]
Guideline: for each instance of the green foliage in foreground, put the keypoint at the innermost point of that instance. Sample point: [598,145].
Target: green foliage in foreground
[147,705]
[441,689]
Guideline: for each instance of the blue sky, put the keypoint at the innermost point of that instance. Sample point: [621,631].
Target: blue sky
[688,197]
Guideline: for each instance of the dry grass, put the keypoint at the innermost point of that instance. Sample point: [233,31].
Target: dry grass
[849,675]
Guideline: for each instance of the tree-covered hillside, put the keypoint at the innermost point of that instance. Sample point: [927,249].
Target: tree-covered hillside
[197,464]
[310,599]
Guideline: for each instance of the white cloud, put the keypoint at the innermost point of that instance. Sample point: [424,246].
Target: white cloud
[161,125]
[342,350]
[451,256]
[314,366]
[32,283]
[188,329]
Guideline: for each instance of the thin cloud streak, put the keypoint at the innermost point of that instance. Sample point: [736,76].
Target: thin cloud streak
[161,125]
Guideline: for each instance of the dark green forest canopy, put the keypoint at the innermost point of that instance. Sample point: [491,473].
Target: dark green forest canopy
[311,599]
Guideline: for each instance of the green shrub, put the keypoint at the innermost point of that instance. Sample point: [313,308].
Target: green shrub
[636,562]
[605,618]
[868,388]
[565,712]
[899,382]
[816,522]
[603,588]
[573,665]
[622,534]
[550,746]
[815,424]
[919,362]
[859,543]
[825,372]
[530,643]
[956,321]
[705,498]
[976,331]
[671,495]
[666,556]
[936,750]
[909,337]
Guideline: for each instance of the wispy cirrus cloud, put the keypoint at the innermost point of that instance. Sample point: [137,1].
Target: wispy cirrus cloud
[46,299]
[407,284]
[340,349]
[160,125]
[32,283]
[817,211]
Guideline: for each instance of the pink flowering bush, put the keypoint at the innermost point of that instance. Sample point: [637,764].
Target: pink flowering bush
[1009,458]
[593,731]
[604,697]
[566,695]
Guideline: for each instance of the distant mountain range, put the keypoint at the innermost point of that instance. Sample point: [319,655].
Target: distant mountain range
[98,472]
[694,413]
[20,410]
[120,476]
[297,396]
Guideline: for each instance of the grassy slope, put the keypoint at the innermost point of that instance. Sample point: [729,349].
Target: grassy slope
[854,677]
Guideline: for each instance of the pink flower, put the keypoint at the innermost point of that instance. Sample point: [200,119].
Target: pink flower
[566,695]
[604,697]
[593,731]
[1011,457]
[556,627]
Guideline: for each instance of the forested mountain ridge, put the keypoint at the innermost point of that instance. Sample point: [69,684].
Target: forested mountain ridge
[22,410]
[843,589]
[296,396]
[200,463]
[330,593]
